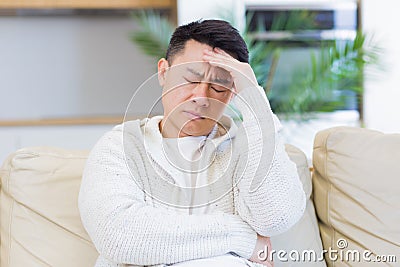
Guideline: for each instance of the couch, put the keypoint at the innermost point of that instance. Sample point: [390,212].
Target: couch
[353,205]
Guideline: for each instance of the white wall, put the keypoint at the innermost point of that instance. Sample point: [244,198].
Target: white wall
[382,96]
[68,66]
[79,137]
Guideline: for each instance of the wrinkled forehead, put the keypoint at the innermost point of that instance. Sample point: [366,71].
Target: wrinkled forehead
[202,71]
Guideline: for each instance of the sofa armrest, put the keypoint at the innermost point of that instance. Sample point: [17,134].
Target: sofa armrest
[356,182]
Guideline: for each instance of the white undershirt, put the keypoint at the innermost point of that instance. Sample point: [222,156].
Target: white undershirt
[190,148]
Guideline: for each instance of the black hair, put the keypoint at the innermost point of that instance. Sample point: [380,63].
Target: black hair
[215,33]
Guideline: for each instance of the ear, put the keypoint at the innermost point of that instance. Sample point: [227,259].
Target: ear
[162,71]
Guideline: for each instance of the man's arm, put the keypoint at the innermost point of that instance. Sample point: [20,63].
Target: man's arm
[270,195]
[126,229]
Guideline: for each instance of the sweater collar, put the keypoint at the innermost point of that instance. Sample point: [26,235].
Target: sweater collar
[223,131]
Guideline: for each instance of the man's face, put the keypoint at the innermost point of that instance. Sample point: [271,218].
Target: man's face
[194,92]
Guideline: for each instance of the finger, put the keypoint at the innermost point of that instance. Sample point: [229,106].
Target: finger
[223,55]
[220,51]
[214,57]
[233,70]
[219,62]
[223,62]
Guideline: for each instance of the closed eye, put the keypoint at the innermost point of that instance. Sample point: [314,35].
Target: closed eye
[216,90]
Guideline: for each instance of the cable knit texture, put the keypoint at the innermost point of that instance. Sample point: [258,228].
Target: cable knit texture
[137,215]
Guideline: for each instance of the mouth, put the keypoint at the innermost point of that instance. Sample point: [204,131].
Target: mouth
[193,115]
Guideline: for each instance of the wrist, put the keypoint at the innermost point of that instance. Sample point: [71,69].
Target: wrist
[243,238]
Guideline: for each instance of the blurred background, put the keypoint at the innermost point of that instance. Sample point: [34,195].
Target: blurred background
[69,68]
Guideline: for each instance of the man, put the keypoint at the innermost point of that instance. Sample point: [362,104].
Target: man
[191,188]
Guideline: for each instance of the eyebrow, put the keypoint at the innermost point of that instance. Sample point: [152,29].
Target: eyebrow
[222,81]
[201,75]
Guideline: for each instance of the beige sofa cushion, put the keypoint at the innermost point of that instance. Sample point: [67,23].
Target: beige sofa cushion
[357,191]
[40,223]
[304,235]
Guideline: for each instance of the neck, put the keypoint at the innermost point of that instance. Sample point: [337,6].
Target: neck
[169,131]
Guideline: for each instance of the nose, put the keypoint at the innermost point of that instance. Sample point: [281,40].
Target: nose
[200,94]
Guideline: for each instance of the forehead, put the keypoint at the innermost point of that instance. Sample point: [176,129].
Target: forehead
[193,51]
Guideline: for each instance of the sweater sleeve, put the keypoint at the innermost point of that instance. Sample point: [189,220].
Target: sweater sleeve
[270,195]
[125,229]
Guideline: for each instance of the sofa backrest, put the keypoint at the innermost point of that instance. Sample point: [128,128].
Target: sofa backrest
[356,182]
[39,219]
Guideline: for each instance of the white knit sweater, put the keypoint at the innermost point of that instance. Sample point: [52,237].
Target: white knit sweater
[137,215]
